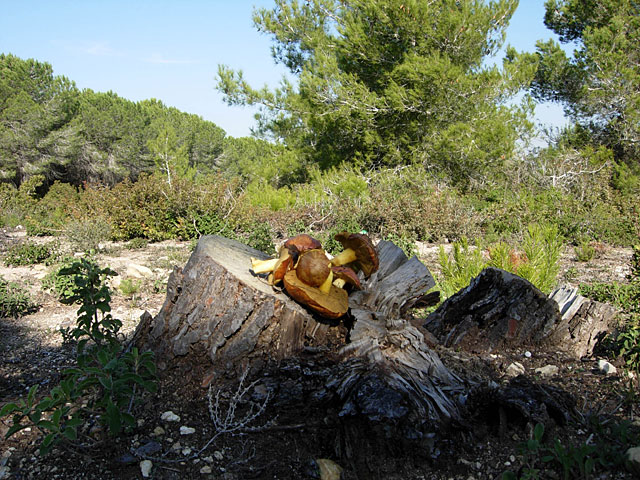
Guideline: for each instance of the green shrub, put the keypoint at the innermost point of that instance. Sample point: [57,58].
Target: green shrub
[584,251]
[105,382]
[15,301]
[137,243]
[536,260]
[28,253]
[261,238]
[87,235]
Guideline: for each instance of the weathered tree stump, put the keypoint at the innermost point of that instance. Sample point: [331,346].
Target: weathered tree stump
[372,369]
[499,309]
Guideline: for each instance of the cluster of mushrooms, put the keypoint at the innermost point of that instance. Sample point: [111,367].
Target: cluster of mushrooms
[314,279]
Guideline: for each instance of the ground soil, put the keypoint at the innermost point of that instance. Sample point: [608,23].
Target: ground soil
[32,352]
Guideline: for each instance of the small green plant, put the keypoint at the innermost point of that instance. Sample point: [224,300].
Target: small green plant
[105,381]
[130,287]
[577,461]
[584,251]
[460,267]
[28,253]
[14,300]
[61,285]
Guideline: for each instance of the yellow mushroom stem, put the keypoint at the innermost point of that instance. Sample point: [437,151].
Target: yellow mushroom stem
[326,286]
[344,257]
[263,266]
[339,282]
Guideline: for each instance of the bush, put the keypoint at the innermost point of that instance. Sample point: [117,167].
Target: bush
[105,382]
[14,300]
[536,260]
[87,235]
[28,253]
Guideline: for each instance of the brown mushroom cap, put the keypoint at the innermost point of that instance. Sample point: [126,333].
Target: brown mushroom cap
[329,305]
[348,275]
[367,258]
[301,243]
[313,267]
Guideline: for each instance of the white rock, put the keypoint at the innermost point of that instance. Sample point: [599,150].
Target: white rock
[606,368]
[145,468]
[218,455]
[633,459]
[515,369]
[186,451]
[206,469]
[187,430]
[138,271]
[208,459]
[547,370]
[169,416]
[527,354]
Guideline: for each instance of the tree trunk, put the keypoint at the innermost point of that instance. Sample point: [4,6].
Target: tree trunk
[373,368]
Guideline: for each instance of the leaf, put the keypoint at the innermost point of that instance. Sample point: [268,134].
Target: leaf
[70,432]
[8,408]
[113,419]
[538,431]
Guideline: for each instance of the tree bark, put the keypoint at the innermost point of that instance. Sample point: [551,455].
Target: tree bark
[373,367]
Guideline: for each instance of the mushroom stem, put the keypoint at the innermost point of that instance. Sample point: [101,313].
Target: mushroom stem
[263,266]
[326,285]
[338,282]
[343,258]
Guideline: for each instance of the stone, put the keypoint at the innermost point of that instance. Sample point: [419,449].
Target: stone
[187,430]
[158,431]
[633,460]
[547,370]
[145,468]
[138,271]
[169,416]
[148,449]
[206,469]
[329,470]
[515,369]
[606,368]
[218,455]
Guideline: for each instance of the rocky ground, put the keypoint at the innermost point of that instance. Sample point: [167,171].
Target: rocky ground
[172,428]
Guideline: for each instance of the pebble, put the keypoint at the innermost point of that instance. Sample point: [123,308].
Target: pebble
[218,455]
[208,459]
[515,369]
[145,468]
[186,451]
[187,430]
[158,431]
[169,416]
[606,368]
[527,354]
[633,459]
[547,370]
[206,469]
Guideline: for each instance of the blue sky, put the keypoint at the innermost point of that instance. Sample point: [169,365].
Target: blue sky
[171,50]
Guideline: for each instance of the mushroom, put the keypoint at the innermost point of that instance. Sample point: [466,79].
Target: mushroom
[301,243]
[345,276]
[359,252]
[291,248]
[282,266]
[333,304]
[314,269]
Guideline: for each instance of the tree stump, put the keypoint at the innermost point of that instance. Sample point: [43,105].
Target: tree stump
[371,370]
